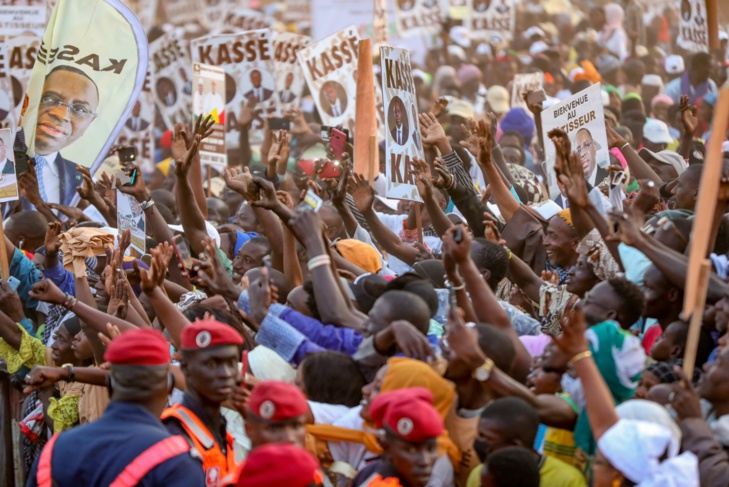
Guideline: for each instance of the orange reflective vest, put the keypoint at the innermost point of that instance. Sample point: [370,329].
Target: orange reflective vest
[216,464]
[153,456]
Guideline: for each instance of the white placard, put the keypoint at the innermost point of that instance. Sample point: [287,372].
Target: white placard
[289,76]
[693,31]
[489,18]
[130,215]
[8,177]
[418,17]
[209,100]
[172,79]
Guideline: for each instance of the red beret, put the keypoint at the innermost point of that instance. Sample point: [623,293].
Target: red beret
[142,346]
[205,334]
[279,464]
[408,413]
[275,401]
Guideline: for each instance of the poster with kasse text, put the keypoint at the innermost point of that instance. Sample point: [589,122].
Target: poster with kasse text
[581,116]
[418,17]
[330,67]
[247,59]
[243,20]
[209,100]
[693,29]
[488,18]
[19,58]
[138,130]
[172,80]
[402,132]
[290,80]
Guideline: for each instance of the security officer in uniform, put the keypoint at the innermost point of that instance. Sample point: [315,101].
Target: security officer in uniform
[128,445]
[209,361]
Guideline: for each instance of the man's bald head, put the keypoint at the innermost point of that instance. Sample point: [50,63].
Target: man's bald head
[399,305]
[29,226]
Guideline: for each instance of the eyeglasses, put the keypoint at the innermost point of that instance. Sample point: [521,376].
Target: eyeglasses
[77,110]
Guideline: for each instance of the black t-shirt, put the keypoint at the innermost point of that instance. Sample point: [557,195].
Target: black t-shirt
[377,467]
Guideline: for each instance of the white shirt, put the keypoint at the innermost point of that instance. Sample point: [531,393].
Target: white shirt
[213,101]
[2,165]
[336,109]
[51,180]
[398,134]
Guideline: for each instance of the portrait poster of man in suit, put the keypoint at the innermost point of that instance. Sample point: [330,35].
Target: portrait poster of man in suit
[333,98]
[8,179]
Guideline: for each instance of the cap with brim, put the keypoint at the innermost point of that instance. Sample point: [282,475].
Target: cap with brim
[666,157]
[366,289]
[498,99]
[656,131]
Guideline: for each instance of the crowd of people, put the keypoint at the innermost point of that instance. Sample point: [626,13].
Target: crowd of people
[489,336]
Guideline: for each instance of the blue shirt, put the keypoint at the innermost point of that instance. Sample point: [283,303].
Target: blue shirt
[23,269]
[93,455]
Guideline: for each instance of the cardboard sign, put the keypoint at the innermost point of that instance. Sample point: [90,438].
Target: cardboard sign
[247,59]
[524,83]
[242,20]
[330,67]
[581,116]
[297,11]
[19,56]
[693,29]
[16,21]
[402,139]
[289,76]
[209,100]
[138,130]
[418,17]
[95,83]
[379,24]
[172,87]
[181,12]
[130,216]
[489,18]
[8,177]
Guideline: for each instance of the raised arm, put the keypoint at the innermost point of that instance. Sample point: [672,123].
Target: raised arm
[191,217]
[690,121]
[425,183]
[204,128]
[638,167]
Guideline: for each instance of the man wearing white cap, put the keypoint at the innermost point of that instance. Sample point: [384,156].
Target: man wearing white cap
[655,135]
[695,82]
[674,66]
[497,99]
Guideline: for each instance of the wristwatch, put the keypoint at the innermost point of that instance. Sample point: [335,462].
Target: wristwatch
[71,372]
[483,373]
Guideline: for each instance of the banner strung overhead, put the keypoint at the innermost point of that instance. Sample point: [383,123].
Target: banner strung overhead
[138,130]
[490,18]
[418,17]
[581,116]
[330,69]
[402,141]
[172,80]
[82,91]
[208,100]
[289,76]
[249,78]
[693,29]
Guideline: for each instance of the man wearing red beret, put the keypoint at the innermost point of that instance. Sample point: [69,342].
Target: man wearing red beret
[411,426]
[280,465]
[128,445]
[276,413]
[209,362]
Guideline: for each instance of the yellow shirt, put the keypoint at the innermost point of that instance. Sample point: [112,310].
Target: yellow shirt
[553,473]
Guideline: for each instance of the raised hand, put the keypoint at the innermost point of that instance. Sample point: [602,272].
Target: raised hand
[182,167]
[203,128]
[491,228]
[421,172]
[362,193]
[688,117]
[124,240]
[339,192]
[119,302]
[485,144]
[106,186]
[10,303]
[572,341]
[431,130]
[442,178]
[247,112]
[460,253]
[242,183]
[268,198]
[213,274]
[684,398]
[139,189]
[48,292]
[306,224]
[280,150]
[410,341]
[86,191]
[535,108]
[179,146]
[155,276]
[28,182]
[470,143]
[439,106]
[52,240]
[285,199]
[299,127]
[72,212]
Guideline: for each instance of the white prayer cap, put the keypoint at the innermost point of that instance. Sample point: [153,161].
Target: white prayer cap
[674,64]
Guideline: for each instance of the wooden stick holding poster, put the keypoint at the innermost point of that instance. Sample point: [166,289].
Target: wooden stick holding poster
[695,294]
[209,100]
[402,138]
[365,119]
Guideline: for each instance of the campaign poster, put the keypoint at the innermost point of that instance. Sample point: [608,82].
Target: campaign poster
[418,17]
[145,10]
[172,88]
[82,91]
[242,20]
[330,70]
[214,12]
[488,18]
[209,100]
[19,20]
[138,130]
[297,11]
[7,99]
[379,24]
[693,31]
[289,76]
[249,77]
[19,58]
[524,83]
[130,216]
[581,117]
[8,178]
[181,12]
[402,139]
